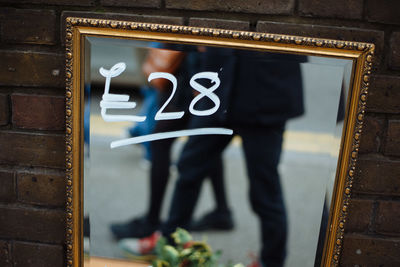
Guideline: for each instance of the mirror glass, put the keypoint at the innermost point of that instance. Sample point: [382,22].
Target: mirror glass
[175,132]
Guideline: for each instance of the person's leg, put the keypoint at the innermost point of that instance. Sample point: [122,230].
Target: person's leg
[159,175]
[139,129]
[262,149]
[161,161]
[197,159]
[218,185]
[149,109]
[220,218]
[160,164]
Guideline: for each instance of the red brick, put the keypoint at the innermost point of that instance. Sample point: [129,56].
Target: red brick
[360,212]
[4,109]
[347,9]
[19,68]
[359,250]
[37,255]
[38,112]
[384,94]
[249,6]
[5,254]
[118,16]
[372,134]
[7,187]
[377,176]
[132,3]
[42,225]
[392,146]
[28,26]
[329,32]
[388,219]
[53,2]
[220,23]
[385,11]
[32,149]
[395,51]
[43,189]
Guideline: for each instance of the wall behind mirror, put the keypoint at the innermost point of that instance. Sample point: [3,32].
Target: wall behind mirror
[116,180]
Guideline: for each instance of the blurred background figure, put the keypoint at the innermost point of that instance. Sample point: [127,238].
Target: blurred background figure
[149,109]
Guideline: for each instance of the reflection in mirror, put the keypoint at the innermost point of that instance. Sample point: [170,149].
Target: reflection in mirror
[240,147]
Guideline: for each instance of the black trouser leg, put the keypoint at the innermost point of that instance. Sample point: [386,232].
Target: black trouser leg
[262,149]
[159,171]
[198,158]
[218,185]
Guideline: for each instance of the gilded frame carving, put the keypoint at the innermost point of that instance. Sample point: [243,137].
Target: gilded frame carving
[78,28]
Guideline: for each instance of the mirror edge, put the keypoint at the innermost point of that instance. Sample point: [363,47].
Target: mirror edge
[78,28]
[348,155]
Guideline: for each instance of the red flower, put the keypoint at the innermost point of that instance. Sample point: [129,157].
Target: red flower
[188,244]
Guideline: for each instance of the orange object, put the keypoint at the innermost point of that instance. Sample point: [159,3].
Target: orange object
[161,60]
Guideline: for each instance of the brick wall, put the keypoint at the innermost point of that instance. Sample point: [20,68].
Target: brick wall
[32,184]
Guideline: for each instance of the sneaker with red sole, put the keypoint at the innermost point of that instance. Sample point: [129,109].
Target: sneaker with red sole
[140,246]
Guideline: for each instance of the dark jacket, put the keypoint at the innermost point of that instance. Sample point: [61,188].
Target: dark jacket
[257,88]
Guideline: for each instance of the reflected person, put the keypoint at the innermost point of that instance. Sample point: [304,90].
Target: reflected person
[144,226]
[259,92]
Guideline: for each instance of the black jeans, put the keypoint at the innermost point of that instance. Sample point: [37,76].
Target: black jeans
[262,148]
[160,164]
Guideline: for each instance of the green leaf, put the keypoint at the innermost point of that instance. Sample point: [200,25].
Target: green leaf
[181,236]
[160,263]
[171,255]
[161,243]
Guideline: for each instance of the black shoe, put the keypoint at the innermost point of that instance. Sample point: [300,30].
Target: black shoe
[136,228]
[214,220]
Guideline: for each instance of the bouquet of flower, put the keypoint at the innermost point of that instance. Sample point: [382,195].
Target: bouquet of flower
[186,252]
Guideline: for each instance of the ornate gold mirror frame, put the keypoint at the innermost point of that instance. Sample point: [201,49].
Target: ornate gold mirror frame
[78,28]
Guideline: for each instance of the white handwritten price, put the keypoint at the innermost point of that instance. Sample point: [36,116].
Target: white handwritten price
[121,101]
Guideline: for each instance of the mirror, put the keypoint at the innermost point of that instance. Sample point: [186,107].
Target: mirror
[245,142]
